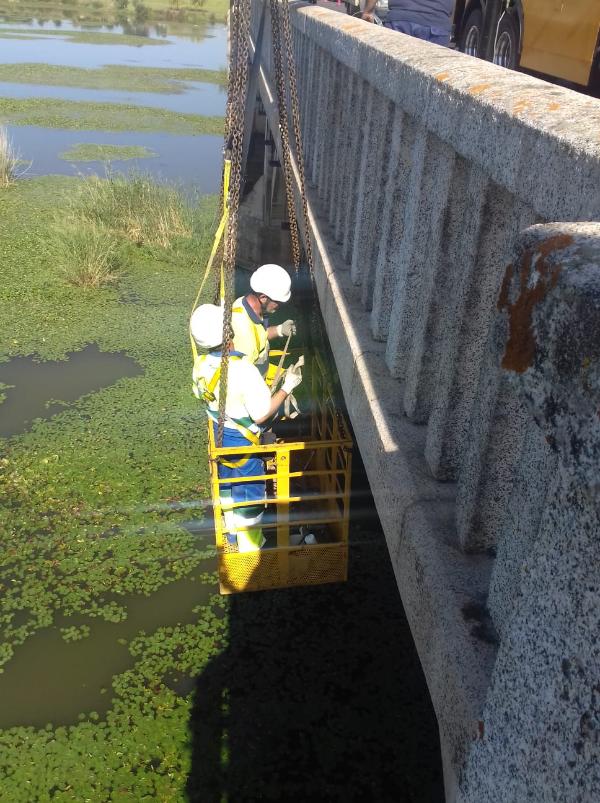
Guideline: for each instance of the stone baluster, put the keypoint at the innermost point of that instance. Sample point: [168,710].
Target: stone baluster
[543,700]
[319,107]
[351,180]
[372,170]
[502,218]
[421,247]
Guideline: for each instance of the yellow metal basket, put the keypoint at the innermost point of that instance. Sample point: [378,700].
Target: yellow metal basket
[308,487]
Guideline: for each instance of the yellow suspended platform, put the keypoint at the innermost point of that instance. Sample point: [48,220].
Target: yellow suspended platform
[308,486]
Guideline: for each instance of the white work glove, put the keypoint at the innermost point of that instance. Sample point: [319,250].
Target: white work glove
[286,328]
[292,378]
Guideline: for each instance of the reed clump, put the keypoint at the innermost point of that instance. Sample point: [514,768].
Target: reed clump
[9,160]
[136,207]
[88,254]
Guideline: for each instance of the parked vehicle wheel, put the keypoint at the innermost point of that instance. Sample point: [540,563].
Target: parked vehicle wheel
[470,39]
[507,47]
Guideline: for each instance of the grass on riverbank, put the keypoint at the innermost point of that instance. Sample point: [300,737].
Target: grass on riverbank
[92,152]
[9,159]
[135,207]
[130,79]
[88,255]
[74,115]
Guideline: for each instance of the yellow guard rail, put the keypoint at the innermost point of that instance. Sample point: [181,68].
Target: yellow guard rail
[308,486]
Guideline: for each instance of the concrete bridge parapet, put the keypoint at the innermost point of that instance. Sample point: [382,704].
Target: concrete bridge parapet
[474,389]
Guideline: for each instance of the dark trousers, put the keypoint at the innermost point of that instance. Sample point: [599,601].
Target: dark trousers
[430,33]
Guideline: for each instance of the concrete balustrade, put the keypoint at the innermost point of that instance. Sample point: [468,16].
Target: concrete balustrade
[544,688]
[471,389]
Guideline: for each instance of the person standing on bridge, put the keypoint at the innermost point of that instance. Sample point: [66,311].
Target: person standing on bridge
[249,404]
[430,20]
[270,287]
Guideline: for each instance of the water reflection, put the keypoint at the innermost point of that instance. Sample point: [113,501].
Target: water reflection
[42,389]
[194,162]
[178,51]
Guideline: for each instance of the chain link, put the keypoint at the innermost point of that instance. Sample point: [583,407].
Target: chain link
[240,18]
[299,151]
[236,108]
[280,85]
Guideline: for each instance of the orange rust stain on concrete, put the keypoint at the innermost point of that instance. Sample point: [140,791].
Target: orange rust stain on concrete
[553,107]
[521,345]
[478,89]
[521,106]
[443,76]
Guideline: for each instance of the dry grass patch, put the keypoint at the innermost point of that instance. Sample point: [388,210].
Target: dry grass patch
[136,207]
[87,254]
[9,159]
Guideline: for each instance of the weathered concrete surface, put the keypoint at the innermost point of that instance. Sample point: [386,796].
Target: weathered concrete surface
[544,699]
[448,160]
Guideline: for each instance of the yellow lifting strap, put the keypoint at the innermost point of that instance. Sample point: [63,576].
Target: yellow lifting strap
[218,237]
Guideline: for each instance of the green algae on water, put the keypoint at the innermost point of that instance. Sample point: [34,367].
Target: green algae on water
[111,76]
[91,152]
[82,37]
[74,115]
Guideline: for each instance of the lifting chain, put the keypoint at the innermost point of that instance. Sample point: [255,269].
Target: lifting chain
[317,334]
[291,71]
[280,85]
[236,107]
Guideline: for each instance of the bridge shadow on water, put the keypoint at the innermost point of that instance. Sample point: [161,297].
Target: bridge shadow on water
[320,694]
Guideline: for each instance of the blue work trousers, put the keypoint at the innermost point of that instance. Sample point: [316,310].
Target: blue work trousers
[439,36]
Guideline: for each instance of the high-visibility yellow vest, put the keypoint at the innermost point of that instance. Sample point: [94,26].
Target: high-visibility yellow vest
[250,337]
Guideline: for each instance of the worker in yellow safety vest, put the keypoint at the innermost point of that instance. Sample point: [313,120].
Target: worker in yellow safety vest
[270,287]
[249,404]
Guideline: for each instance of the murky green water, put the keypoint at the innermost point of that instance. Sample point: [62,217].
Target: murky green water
[40,389]
[55,678]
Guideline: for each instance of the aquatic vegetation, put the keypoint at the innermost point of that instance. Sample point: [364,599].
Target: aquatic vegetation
[92,152]
[74,115]
[112,76]
[93,505]
[82,490]
[9,159]
[136,207]
[83,37]
[75,633]
[88,255]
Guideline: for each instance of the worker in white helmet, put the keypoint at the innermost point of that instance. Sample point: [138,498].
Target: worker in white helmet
[270,287]
[249,404]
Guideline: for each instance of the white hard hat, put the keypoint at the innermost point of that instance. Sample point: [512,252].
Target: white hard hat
[272,281]
[206,326]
